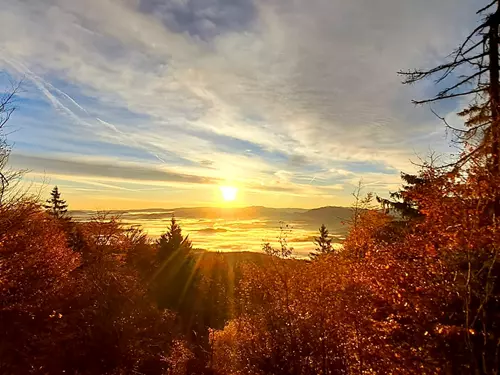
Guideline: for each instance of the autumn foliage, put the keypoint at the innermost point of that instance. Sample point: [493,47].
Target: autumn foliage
[403,296]
[78,312]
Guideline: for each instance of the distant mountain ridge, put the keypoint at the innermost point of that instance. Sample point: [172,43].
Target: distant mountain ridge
[331,216]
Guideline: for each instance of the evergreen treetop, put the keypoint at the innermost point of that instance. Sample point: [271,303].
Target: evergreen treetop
[401,201]
[172,241]
[55,205]
[323,243]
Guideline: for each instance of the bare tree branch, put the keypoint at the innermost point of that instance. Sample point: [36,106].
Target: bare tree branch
[450,96]
[486,7]
[8,177]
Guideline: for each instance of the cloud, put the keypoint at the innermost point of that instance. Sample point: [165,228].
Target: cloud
[202,18]
[186,87]
[106,170]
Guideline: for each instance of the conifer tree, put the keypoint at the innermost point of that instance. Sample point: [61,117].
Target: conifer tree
[175,277]
[400,201]
[55,205]
[172,242]
[473,71]
[323,243]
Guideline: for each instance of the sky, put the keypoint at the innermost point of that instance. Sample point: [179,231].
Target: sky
[158,103]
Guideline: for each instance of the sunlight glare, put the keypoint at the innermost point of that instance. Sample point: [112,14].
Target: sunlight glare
[228,193]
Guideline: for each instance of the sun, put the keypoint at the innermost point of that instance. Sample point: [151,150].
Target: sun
[228,193]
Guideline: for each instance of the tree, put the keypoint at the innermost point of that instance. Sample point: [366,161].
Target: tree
[55,205]
[175,276]
[8,177]
[462,206]
[400,201]
[476,64]
[323,243]
[360,205]
[172,242]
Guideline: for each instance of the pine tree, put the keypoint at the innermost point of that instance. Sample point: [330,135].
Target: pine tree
[172,242]
[55,205]
[400,201]
[176,276]
[323,243]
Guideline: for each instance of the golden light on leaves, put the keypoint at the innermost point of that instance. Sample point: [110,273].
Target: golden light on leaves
[229,193]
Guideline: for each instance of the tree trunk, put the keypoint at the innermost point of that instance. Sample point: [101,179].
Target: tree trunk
[495,99]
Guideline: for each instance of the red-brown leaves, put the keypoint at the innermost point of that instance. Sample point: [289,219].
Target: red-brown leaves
[403,296]
[35,261]
[85,312]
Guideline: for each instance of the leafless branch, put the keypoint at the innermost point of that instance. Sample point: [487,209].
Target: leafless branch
[483,89]
[486,7]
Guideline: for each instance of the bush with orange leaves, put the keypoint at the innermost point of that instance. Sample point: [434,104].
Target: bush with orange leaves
[369,234]
[35,268]
[80,312]
[35,261]
[284,326]
[337,315]
[289,320]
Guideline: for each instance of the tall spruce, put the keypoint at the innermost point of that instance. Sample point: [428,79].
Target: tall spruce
[172,242]
[323,243]
[55,205]
[175,275]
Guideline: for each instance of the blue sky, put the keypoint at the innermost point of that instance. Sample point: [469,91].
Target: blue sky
[156,103]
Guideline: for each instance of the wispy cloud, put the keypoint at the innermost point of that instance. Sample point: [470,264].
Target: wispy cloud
[113,170]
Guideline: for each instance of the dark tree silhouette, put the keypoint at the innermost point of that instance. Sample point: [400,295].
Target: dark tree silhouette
[8,177]
[400,201]
[174,275]
[55,205]
[323,243]
[172,242]
[473,70]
